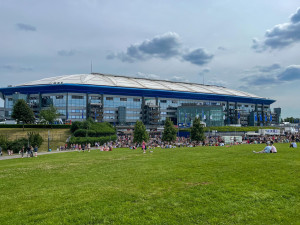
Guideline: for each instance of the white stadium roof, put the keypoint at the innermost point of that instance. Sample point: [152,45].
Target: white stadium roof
[99,79]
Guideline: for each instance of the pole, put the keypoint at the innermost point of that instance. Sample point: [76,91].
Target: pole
[48,140]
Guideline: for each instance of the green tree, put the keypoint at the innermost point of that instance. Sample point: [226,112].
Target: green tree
[22,112]
[170,131]
[197,131]
[50,114]
[140,134]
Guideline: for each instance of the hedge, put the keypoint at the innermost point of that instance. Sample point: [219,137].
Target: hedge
[54,126]
[92,140]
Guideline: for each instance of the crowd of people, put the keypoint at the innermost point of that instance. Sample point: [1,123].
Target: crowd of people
[155,141]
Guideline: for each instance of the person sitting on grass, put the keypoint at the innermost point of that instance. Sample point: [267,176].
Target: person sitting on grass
[267,149]
[273,148]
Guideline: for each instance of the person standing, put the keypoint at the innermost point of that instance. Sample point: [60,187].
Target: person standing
[35,151]
[0,151]
[22,151]
[89,147]
[144,146]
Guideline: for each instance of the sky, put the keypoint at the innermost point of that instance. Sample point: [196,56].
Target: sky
[252,46]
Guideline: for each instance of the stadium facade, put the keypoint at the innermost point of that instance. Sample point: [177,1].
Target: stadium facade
[123,100]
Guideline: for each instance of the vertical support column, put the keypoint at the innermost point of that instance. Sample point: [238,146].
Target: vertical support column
[143,111]
[236,112]
[87,107]
[67,106]
[4,97]
[256,111]
[263,114]
[102,106]
[228,113]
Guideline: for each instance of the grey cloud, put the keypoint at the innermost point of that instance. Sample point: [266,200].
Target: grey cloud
[290,73]
[270,68]
[198,57]
[25,27]
[296,17]
[260,80]
[66,52]
[222,48]
[15,68]
[163,46]
[179,79]
[149,76]
[281,35]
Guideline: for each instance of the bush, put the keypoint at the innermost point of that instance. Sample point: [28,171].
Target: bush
[75,126]
[84,133]
[17,145]
[35,139]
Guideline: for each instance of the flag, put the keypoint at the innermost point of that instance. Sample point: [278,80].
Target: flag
[202,114]
[255,117]
[239,115]
[270,117]
[266,118]
[82,115]
[260,117]
[210,117]
[224,117]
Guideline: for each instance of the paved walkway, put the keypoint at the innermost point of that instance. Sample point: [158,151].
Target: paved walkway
[17,156]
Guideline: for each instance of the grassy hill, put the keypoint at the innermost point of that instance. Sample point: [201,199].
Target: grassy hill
[203,185]
[57,136]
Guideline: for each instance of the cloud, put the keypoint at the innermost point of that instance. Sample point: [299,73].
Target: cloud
[291,73]
[15,68]
[221,48]
[272,77]
[266,69]
[163,46]
[198,57]
[25,27]
[179,79]
[66,52]
[148,76]
[280,36]
[204,71]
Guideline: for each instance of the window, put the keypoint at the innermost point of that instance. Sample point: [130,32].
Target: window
[109,98]
[77,97]
[59,96]
[163,101]
[136,100]
[123,99]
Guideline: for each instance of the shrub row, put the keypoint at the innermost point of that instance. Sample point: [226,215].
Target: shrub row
[92,140]
[91,133]
[54,126]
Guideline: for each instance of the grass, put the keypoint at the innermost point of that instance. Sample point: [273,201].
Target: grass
[57,136]
[204,185]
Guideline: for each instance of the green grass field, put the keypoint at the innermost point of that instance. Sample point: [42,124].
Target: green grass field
[204,185]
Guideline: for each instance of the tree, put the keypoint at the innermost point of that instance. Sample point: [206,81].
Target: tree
[49,114]
[170,131]
[197,131]
[22,112]
[140,134]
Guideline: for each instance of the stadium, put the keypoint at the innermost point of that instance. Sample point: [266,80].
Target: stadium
[122,101]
